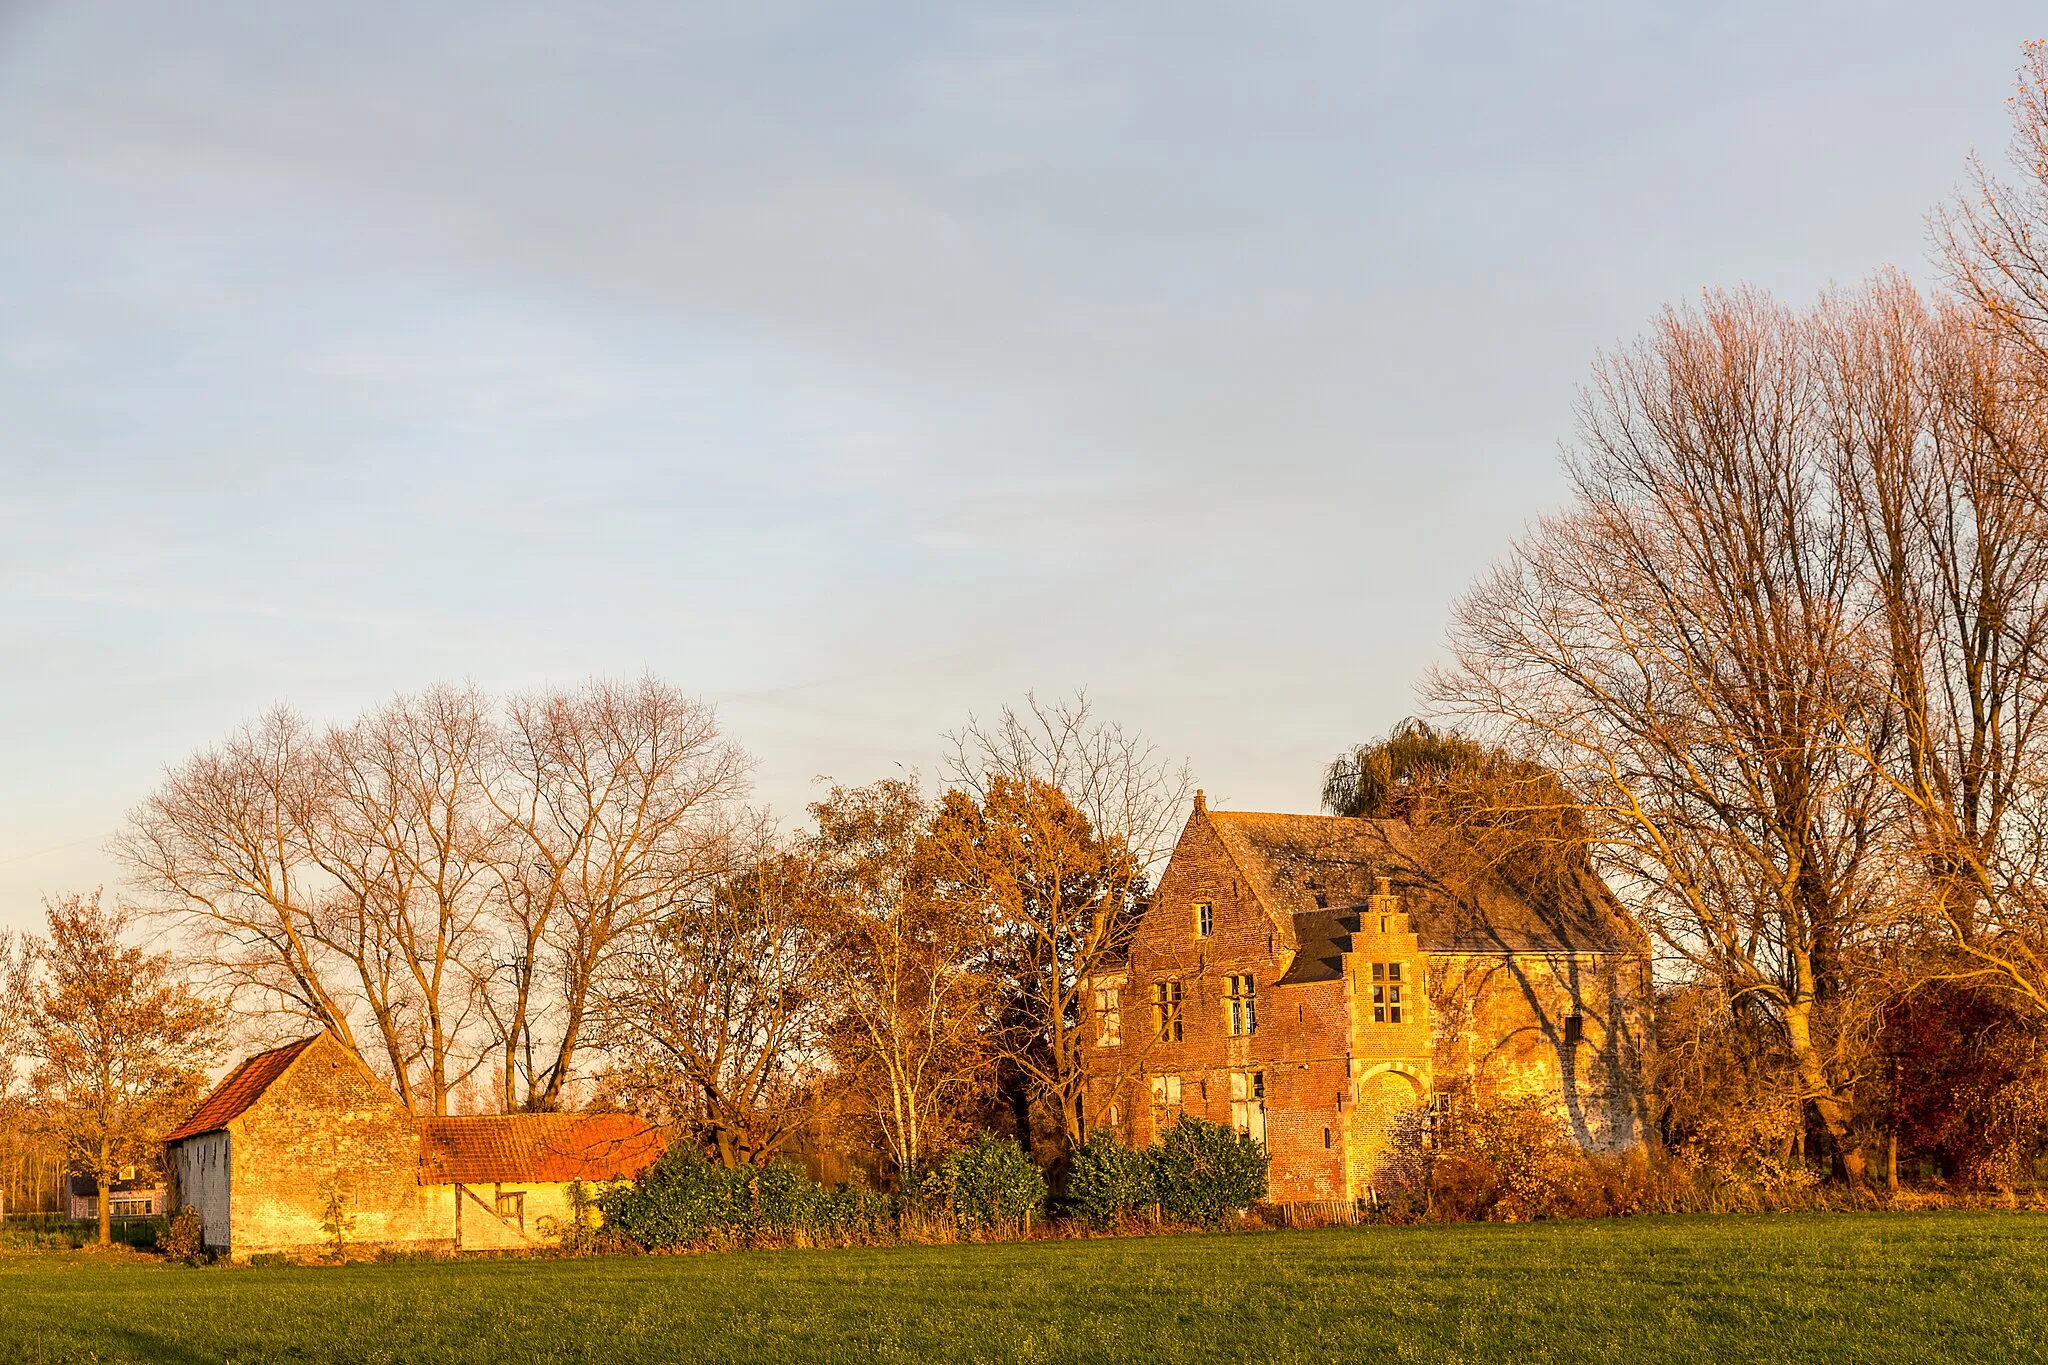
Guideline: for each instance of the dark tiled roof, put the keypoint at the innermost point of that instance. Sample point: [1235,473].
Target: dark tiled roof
[539,1148]
[85,1187]
[242,1088]
[1321,937]
[1304,866]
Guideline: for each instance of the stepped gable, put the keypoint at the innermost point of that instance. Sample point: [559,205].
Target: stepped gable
[241,1088]
[486,1149]
[1316,874]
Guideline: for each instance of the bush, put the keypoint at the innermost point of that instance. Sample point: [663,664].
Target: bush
[178,1237]
[1108,1180]
[989,1183]
[1204,1172]
[685,1200]
[1504,1161]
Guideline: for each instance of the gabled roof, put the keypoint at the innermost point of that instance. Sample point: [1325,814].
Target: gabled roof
[241,1088]
[1305,868]
[486,1149]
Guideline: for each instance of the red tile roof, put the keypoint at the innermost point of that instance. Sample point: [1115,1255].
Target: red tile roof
[540,1148]
[242,1088]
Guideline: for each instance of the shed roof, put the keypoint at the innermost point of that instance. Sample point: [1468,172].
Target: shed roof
[241,1088]
[537,1148]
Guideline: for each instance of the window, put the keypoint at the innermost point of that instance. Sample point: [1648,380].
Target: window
[1248,1103]
[1109,1017]
[1386,992]
[1574,1029]
[511,1206]
[1205,918]
[1166,1010]
[1166,1093]
[1326,1139]
[131,1208]
[127,1173]
[1241,1004]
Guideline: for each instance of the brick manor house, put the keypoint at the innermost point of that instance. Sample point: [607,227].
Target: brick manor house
[1309,978]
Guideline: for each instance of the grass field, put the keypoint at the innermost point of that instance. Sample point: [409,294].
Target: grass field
[1895,1288]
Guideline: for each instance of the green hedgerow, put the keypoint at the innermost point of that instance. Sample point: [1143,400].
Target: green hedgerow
[1204,1172]
[1108,1180]
[989,1183]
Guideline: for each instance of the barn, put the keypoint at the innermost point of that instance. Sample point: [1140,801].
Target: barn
[296,1135]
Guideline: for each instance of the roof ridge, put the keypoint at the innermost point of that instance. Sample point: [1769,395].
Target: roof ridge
[240,1088]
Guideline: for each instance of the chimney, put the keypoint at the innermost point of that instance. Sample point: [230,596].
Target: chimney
[1201,801]
[1384,901]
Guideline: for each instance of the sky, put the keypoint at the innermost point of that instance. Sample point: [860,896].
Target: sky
[858,367]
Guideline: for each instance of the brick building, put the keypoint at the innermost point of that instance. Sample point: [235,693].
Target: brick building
[1308,978]
[289,1130]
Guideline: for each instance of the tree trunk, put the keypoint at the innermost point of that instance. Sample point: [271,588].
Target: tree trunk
[106,1181]
[1827,1101]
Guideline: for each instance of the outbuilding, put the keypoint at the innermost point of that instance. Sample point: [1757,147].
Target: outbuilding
[304,1139]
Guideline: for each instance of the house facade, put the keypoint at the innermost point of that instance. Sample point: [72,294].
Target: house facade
[1310,979]
[136,1193]
[294,1134]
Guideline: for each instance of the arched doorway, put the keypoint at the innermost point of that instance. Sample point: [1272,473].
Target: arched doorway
[1385,1093]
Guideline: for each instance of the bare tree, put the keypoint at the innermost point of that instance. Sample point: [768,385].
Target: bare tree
[619,803]
[1994,236]
[1114,776]
[404,838]
[120,1046]
[434,887]
[1684,649]
[1938,453]
[228,848]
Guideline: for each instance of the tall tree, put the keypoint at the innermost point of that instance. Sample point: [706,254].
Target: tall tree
[1132,800]
[908,1001]
[1058,898]
[618,804]
[120,1046]
[1994,235]
[713,1012]
[1937,453]
[1684,648]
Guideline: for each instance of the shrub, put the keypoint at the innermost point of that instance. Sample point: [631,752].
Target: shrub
[989,1183]
[1108,1180]
[1204,1172]
[1500,1160]
[178,1237]
[684,1200]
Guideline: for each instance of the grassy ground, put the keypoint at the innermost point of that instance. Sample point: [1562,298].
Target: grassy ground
[1957,1287]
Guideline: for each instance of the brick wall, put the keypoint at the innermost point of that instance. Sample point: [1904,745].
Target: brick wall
[1335,1077]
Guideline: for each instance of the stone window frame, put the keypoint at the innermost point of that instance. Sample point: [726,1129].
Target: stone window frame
[1241,1004]
[1388,997]
[1166,1012]
[1109,1016]
[1248,1103]
[1205,918]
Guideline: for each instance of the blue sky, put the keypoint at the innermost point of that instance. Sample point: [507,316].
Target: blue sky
[857,366]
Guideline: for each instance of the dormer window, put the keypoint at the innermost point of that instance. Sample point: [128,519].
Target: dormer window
[1205,918]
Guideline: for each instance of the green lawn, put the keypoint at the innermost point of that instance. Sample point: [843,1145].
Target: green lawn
[1894,1288]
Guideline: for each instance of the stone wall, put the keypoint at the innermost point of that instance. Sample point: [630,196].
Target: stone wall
[1504,1029]
[329,1123]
